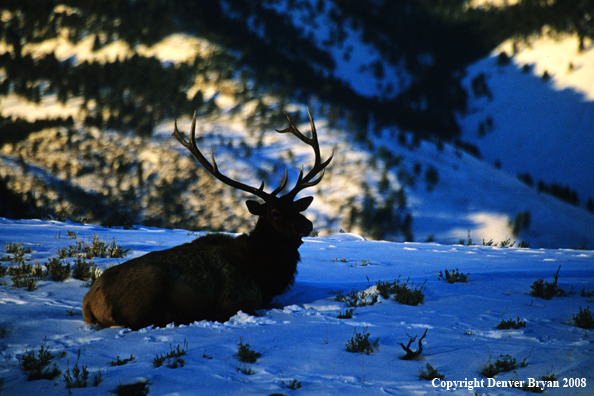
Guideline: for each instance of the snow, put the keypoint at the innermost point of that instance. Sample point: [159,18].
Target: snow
[354,59]
[300,336]
[543,128]
[490,3]
[48,108]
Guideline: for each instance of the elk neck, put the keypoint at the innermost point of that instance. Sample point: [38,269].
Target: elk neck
[265,236]
[274,258]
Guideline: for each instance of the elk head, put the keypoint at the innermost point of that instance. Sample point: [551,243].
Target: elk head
[277,215]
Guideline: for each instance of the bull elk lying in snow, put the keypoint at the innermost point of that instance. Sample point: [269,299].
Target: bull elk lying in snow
[216,275]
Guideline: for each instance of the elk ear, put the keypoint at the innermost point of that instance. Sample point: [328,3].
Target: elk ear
[303,203]
[255,208]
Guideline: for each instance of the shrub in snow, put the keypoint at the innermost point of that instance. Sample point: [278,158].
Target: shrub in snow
[407,296]
[173,357]
[348,314]
[507,243]
[28,283]
[18,249]
[550,377]
[511,324]
[430,373]
[453,277]
[86,271]
[36,366]
[467,242]
[97,377]
[25,276]
[357,299]
[546,290]
[78,378]
[505,364]
[246,354]
[21,271]
[489,370]
[401,291]
[119,362]
[22,274]
[57,270]
[584,319]
[360,343]
[245,369]
[96,248]
[293,384]
[385,288]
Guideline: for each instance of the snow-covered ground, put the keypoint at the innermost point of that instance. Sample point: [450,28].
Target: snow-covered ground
[301,338]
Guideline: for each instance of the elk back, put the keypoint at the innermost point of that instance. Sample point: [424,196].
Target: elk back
[201,280]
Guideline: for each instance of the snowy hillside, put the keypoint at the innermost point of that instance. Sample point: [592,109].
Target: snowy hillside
[464,195]
[469,195]
[301,341]
[109,157]
[358,63]
[535,125]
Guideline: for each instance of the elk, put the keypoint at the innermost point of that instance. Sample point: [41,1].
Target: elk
[216,275]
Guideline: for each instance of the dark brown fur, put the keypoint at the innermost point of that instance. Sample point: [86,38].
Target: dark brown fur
[211,278]
[217,275]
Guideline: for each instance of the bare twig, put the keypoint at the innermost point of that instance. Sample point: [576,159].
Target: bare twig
[410,354]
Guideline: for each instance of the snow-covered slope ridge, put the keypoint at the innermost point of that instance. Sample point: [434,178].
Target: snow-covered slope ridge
[301,340]
[541,126]
[470,196]
[357,63]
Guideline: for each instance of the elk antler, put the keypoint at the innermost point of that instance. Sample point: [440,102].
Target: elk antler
[214,170]
[319,166]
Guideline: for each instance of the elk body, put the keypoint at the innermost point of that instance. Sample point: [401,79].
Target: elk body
[214,276]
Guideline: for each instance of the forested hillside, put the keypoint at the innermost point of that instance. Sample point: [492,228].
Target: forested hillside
[277,46]
[388,74]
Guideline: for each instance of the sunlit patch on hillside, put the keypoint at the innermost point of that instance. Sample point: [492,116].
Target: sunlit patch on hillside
[556,55]
[178,48]
[490,3]
[488,226]
[49,108]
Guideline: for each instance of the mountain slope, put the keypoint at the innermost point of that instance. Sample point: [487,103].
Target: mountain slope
[106,153]
[541,126]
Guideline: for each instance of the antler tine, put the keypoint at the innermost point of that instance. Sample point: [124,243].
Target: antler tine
[282,185]
[319,166]
[213,169]
[293,130]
